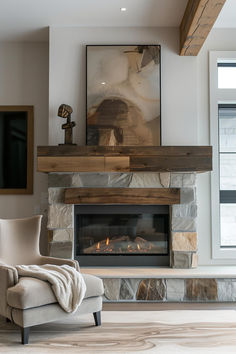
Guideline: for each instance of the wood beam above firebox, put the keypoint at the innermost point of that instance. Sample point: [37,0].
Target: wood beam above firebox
[124,158]
[134,196]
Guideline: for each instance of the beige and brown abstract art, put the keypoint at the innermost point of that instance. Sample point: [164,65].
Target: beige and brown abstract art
[123,95]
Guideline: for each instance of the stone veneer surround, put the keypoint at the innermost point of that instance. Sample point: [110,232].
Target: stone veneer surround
[169,289]
[183,243]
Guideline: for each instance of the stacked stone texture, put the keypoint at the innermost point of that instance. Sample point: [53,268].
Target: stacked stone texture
[183,222]
[183,240]
[169,290]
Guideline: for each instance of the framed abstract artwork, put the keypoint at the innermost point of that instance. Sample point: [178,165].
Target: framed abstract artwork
[123,95]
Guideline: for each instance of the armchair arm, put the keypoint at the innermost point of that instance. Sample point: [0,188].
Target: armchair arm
[8,278]
[59,261]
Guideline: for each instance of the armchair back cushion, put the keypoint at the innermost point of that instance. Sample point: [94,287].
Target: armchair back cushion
[19,240]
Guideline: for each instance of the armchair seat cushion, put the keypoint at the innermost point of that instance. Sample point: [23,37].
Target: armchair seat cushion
[32,292]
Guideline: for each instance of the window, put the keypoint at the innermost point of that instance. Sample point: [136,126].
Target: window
[226,74]
[227,160]
[223,140]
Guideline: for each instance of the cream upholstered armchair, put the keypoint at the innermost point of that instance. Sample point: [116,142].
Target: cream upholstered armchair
[29,301]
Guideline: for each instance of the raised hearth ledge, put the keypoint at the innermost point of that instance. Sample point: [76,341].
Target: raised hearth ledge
[150,284]
[162,272]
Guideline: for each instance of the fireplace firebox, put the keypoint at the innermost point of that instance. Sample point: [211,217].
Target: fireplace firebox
[122,235]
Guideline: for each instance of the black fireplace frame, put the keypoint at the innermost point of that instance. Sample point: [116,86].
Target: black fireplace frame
[122,260]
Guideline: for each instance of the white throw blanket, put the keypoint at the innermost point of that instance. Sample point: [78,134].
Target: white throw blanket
[67,283]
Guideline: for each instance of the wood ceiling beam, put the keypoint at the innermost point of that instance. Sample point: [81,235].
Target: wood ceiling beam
[197,22]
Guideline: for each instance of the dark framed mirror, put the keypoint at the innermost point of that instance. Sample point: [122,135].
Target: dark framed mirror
[16,149]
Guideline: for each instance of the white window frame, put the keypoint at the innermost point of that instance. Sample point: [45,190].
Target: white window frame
[218,96]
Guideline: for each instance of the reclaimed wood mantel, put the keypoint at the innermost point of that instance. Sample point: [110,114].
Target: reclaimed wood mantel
[124,158]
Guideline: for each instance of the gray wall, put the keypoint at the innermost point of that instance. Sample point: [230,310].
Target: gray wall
[67,78]
[24,81]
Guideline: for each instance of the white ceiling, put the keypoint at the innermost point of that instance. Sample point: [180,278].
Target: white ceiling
[29,19]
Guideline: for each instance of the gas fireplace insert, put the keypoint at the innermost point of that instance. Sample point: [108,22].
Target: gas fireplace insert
[122,235]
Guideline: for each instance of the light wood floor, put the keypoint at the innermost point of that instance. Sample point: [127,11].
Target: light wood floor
[160,332]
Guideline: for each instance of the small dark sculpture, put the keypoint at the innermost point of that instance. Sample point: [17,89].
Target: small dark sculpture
[64,111]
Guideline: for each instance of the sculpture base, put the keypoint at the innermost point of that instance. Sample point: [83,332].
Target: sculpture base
[67,144]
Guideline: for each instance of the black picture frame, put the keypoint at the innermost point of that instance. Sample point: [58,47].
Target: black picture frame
[16,146]
[157,141]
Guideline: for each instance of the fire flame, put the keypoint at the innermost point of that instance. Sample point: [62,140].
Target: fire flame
[109,246]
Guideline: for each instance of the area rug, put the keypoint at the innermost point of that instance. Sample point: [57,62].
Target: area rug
[160,332]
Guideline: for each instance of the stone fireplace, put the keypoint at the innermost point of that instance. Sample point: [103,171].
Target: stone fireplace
[182,234]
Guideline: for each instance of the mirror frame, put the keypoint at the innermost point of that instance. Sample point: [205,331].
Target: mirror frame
[30,149]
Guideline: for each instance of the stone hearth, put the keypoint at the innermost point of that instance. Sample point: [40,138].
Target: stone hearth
[183,243]
[152,284]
